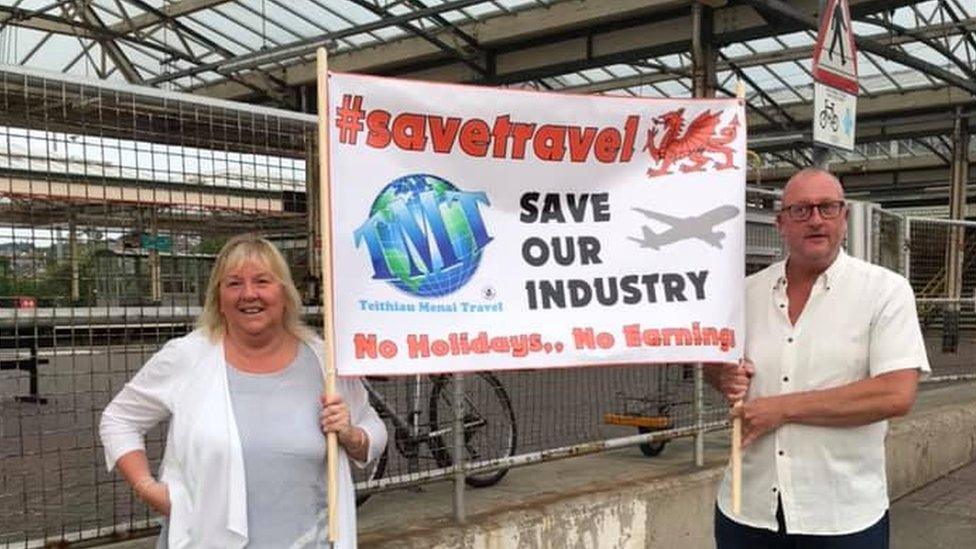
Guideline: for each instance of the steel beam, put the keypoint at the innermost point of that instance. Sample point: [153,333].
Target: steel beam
[169,12]
[125,66]
[892,54]
[29,19]
[79,29]
[944,51]
[703,52]
[964,27]
[531,28]
[565,37]
[416,30]
[309,45]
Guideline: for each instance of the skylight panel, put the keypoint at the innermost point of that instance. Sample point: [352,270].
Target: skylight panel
[764,45]
[797,39]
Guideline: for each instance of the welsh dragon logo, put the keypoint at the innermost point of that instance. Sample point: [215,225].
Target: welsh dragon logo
[688,149]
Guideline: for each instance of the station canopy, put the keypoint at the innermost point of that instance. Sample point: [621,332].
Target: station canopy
[916,61]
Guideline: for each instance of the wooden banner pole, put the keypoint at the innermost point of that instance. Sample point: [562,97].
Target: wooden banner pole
[737,463]
[740,93]
[325,249]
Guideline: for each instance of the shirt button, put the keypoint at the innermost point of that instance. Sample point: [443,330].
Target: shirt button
[781,305]
[789,340]
[786,379]
[782,453]
[775,490]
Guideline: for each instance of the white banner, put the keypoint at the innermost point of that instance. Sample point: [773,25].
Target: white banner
[482,229]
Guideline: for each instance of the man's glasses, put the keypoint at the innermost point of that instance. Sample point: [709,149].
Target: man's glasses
[802,212]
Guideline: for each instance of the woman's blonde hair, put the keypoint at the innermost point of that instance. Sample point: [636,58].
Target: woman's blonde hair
[236,251]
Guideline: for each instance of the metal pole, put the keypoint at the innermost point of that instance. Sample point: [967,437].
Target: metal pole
[73,257]
[408,479]
[703,70]
[874,213]
[155,272]
[697,51]
[821,155]
[703,54]
[699,405]
[313,273]
[955,245]
[459,514]
[948,222]
[906,249]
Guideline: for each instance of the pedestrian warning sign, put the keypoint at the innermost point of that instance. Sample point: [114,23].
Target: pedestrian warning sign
[835,54]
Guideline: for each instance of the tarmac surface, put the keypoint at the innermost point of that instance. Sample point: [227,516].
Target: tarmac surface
[941,515]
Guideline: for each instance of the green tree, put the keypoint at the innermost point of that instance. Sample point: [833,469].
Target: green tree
[52,284]
[210,245]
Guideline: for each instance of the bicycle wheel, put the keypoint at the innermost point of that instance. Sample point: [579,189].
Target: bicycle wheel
[650,449]
[489,424]
[373,471]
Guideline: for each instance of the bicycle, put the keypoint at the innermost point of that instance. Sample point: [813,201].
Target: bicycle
[653,412]
[828,116]
[490,430]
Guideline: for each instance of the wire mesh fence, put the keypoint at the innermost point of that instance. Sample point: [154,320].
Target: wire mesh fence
[528,413]
[889,246]
[113,202]
[763,243]
[941,262]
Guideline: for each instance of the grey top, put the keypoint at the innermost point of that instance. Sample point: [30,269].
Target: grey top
[284,453]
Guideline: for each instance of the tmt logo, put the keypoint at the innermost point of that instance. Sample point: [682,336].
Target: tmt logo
[424,235]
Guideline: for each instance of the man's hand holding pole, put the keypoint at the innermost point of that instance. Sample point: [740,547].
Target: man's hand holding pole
[732,380]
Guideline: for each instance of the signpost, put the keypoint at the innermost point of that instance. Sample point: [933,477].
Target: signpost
[161,243]
[835,79]
[834,116]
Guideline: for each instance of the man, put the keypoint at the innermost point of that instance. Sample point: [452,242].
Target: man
[833,349]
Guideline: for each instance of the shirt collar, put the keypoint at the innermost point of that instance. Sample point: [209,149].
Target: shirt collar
[836,269]
[827,278]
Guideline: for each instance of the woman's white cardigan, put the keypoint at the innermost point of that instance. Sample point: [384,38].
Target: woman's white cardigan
[186,381]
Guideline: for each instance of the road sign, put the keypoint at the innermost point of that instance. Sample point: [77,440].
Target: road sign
[834,117]
[162,243]
[835,54]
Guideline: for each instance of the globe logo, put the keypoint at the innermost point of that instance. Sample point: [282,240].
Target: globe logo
[424,235]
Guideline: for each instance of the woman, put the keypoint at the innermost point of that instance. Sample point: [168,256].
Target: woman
[244,463]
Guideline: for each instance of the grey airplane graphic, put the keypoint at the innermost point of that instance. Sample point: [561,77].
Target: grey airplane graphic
[700,227]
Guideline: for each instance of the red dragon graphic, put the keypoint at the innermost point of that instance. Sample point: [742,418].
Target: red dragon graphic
[691,147]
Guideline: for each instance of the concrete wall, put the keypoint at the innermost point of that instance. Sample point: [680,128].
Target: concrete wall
[928,445]
[671,513]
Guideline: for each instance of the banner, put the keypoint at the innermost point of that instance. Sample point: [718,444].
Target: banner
[484,229]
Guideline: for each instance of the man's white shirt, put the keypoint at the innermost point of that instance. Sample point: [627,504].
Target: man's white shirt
[860,321]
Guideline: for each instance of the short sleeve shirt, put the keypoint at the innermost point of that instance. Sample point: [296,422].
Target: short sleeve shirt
[859,322]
